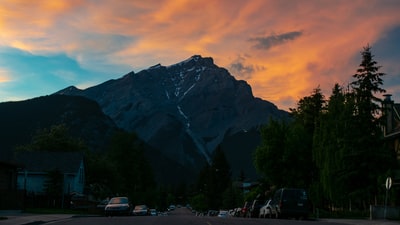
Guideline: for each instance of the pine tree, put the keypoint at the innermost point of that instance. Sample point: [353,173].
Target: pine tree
[368,83]
[365,157]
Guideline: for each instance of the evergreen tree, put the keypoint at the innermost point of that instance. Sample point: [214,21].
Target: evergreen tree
[307,117]
[53,187]
[366,157]
[309,109]
[368,83]
[328,145]
[268,158]
[215,179]
[133,172]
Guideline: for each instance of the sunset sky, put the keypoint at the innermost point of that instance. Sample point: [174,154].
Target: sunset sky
[283,48]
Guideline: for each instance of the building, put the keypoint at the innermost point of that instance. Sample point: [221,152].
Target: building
[391,129]
[37,165]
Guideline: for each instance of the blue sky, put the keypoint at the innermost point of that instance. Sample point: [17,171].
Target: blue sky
[283,49]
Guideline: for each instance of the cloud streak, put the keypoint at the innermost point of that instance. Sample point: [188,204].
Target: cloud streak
[274,40]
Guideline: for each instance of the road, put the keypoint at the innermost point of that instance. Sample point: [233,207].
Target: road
[181,216]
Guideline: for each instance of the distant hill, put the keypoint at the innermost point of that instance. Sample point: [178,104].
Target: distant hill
[21,119]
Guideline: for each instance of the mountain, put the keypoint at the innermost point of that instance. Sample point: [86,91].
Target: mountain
[186,110]
[84,118]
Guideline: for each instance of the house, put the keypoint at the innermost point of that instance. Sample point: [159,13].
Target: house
[37,165]
[391,130]
[10,198]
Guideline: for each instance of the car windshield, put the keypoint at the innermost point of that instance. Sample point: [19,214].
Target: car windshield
[118,201]
[140,207]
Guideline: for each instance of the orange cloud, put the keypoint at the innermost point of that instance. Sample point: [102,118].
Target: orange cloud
[288,47]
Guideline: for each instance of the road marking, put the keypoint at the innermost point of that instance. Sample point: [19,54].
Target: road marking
[209,223]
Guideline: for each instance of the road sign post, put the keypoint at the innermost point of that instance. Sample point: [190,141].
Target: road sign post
[388,185]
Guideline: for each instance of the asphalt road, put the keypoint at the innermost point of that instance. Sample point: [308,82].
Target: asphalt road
[181,216]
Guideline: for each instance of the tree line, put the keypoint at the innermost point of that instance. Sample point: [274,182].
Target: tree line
[333,147]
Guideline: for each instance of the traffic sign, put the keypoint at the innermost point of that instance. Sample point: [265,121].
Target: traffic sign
[388,183]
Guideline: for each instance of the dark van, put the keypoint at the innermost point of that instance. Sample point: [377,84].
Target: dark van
[290,203]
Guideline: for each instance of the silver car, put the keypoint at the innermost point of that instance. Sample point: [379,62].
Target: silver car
[118,206]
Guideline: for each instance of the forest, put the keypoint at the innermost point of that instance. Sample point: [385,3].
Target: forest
[333,147]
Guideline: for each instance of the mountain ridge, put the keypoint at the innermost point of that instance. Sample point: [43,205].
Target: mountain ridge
[185,109]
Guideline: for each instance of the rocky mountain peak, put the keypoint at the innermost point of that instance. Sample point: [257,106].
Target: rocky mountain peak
[185,110]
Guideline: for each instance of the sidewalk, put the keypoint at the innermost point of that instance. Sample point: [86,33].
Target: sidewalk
[10,217]
[362,222]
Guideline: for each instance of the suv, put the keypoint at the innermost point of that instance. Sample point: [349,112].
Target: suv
[290,202]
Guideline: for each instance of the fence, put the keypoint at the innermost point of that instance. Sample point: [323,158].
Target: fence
[378,212]
[11,199]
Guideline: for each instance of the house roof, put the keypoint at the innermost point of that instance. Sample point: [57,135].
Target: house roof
[65,162]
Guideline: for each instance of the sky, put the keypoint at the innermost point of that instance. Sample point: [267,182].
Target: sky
[284,49]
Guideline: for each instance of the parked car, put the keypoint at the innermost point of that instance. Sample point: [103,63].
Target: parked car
[79,201]
[171,207]
[118,206]
[290,203]
[140,210]
[212,213]
[223,214]
[265,210]
[153,212]
[100,207]
[245,208]
[254,209]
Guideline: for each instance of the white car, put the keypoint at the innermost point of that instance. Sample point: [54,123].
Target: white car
[171,207]
[266,210]
[223,214]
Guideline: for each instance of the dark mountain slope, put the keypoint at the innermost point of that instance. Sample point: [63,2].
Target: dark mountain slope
[84,118]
